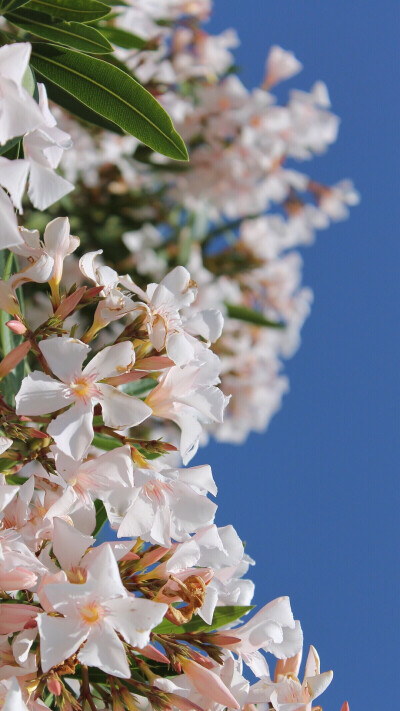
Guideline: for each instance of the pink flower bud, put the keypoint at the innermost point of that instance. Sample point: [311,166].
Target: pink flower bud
[14,618]
[154,654]
[183,704]
[209,684]
[13,358]
[54,686]
[68,305]
[17,579]
[16,327]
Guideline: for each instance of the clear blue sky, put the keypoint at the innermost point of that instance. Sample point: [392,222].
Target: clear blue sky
[316,497]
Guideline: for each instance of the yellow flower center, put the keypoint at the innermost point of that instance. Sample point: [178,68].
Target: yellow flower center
[91,613]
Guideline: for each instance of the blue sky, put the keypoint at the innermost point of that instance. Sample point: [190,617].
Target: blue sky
[316,497]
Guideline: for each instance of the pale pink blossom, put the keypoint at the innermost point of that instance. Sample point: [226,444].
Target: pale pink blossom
[91,614]
[73,429]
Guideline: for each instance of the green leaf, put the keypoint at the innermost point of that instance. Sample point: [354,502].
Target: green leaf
[12,143]
[72,34]
[101,517]
[12,5]
[111,93]
[140,388]
[78,109]
[122,38]
[242,313]
[222,616]
[104,442]
[72,10]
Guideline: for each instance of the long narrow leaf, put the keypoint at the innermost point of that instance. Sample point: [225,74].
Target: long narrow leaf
[79,109]
[222,616]
[122,38]
[242,313]
[72,10]
[111,93]
[71,34]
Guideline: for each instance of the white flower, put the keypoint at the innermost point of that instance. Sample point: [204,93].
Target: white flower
[166,503]
[73,430]
[43,149]
[92,615]
[11,696]
[286,692]
[272,629]
[188,397]
[280,65]
[57,244]
[19,112]
[165,325]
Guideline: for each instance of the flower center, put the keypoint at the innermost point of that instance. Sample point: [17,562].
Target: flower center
[84,388]
[91,613]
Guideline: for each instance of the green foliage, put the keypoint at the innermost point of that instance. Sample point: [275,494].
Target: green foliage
[101,517]
[110,93]
[222,616]
[122,38]
[242,313]
[11,5]
[71,10]
[71,34]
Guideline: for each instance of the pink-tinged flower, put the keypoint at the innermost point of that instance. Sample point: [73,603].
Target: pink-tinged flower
[166,503]
[100,274]
[286,692]
[16,658]
[280,65]
[19,567]
[11,696]
[161,307]
[73,430]
[188,397]
[57,244]
[16,617]
[272,629]
[91,480]
[19,112]
[91,614]
[209,684]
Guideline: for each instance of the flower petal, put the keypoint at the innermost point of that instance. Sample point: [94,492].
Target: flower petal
[64,356]
[120,409]
[73,430]
[59,638]
[40,394]
[111,361]
[104,650]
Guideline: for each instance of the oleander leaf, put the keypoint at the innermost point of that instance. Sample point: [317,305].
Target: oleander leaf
[112,94]
[223,615]
[71,10]
[242,313]
[71,34]
[78,109]
[122,38]
[11,5]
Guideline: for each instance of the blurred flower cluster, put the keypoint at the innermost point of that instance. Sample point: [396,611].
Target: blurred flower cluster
[166,318]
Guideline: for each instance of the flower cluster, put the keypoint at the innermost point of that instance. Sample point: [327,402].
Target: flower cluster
[237,214]
[109,624]
[122,349]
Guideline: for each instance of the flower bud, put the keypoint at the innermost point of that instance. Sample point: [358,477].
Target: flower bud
[12,359]
[54,686]
[16,327]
